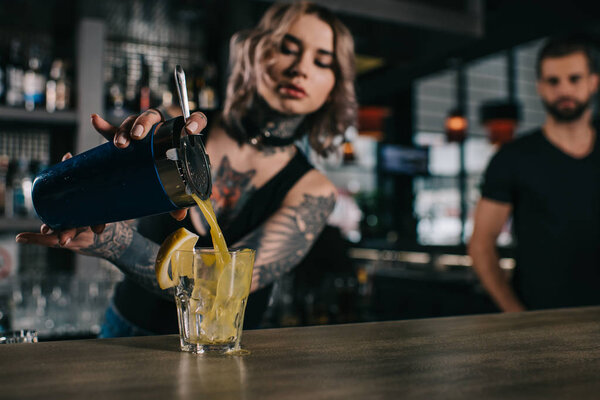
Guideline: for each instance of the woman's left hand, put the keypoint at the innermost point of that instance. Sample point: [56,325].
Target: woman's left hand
[74,239]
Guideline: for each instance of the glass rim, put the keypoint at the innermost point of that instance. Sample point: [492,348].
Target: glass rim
[210,250]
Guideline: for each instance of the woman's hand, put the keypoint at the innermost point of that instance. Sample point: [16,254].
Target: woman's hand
[84,236]
[136,128]
[132,128]
[89,240]
[109,244]
[76,239]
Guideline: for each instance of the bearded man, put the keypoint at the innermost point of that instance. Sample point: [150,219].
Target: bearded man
[549,181]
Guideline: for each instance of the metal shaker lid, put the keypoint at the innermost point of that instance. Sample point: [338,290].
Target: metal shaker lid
[195,162]
[195,166]
[182,163]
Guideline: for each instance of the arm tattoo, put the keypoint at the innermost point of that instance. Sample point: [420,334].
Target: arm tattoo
[284,240]
[131,252]
[111,243]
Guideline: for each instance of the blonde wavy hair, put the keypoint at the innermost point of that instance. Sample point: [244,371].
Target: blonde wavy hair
[253,51]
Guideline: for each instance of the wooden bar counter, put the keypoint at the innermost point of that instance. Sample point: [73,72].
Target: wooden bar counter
[539,355]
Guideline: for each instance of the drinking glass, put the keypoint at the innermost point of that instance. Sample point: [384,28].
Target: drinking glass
[211,295]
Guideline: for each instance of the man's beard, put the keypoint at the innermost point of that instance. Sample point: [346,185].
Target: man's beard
[566,114]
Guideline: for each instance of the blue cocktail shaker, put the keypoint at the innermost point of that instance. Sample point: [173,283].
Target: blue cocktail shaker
[106,184]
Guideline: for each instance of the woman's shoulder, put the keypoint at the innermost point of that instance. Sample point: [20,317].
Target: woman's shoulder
[312,186]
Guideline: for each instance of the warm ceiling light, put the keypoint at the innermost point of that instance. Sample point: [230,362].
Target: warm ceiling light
[500,117]
[501,130]
[456,123]
[456,127]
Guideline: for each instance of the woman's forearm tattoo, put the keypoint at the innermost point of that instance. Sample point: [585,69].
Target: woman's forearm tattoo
[112,242]
[131,252]
[283,242]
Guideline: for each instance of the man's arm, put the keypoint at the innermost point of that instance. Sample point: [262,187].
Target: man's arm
[285,238]
[490,217]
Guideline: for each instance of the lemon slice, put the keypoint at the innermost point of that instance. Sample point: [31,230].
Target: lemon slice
[181,239]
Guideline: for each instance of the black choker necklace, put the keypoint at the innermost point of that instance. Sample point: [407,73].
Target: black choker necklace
[267,127]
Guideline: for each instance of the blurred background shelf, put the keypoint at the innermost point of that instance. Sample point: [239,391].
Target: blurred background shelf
[38,116]
[19,224]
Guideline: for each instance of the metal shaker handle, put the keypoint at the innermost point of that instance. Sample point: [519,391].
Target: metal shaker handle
[182,92]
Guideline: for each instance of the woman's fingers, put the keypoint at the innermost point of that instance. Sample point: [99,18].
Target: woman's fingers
[121,139]
[60,239]
[195,123]
[144,123]
[179,214]
[64,237]
[136,128]
[75,239]
[103,127]
[49,240]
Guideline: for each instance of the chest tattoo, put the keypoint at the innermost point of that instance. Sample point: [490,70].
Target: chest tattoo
[231,190]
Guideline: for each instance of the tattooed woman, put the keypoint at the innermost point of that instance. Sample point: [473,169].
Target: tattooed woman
[291,76]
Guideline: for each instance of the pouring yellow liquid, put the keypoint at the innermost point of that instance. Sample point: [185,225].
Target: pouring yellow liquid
[218,322]
[215,231]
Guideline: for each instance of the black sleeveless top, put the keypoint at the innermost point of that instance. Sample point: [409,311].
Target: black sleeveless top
[155,314]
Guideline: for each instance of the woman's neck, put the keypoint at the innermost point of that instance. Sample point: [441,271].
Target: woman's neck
[269,128]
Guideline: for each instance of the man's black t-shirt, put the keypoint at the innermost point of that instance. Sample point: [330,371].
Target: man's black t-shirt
[556,220]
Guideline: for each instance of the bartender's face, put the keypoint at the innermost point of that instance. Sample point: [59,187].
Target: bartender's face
[566,86]
[302,74]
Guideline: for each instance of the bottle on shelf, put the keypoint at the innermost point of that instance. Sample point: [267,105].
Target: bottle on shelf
[9,209]
[51,88]
[14,75]
[115,93]
[3,61]
[143,91]
[4,161]
[58,90]
[164,88]
[131,87]
[207,95]
[20,189]
[63,89]
[34,83]
[168,94]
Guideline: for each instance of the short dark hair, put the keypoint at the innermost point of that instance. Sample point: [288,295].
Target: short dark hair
[564,46]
